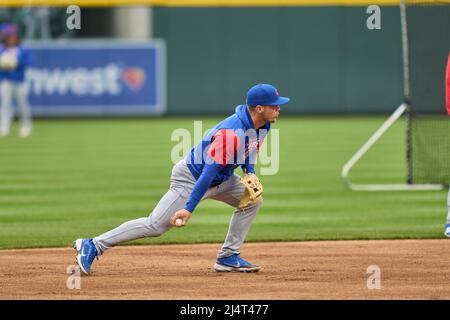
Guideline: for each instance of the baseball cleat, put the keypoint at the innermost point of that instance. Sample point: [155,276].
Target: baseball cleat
[447,230]
[86,252]
[235,263]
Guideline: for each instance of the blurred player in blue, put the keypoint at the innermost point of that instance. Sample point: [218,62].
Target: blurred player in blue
[14,60]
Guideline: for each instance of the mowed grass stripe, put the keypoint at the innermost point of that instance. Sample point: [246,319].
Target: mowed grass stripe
[79,178]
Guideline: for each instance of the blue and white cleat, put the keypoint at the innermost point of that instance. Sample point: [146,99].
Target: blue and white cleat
[447,230]
[86,252]
[235,263]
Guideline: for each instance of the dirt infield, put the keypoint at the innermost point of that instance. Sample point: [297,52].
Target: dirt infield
[410,269]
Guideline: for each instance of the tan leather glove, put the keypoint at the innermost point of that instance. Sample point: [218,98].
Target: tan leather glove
[253,189]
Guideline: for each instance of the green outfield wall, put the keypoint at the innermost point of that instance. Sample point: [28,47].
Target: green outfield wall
[325,58]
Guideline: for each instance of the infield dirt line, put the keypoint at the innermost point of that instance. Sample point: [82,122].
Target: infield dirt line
[379,269]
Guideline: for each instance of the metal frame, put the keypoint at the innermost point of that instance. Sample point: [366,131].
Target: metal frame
[367,146]
[404,107]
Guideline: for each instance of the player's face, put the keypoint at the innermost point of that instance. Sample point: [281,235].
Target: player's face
[11,41]
[271,113]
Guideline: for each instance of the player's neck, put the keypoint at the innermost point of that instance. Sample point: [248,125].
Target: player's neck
[258,121]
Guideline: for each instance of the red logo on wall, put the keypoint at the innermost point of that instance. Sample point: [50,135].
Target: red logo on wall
[134,78]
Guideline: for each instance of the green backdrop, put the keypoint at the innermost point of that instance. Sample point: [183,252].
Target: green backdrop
[324,58]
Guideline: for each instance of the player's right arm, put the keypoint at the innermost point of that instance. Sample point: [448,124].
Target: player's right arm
[200,188]
[24,58]
[202,185]
[221,153]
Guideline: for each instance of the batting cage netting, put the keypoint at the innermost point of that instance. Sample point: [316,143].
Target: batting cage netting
[426,42]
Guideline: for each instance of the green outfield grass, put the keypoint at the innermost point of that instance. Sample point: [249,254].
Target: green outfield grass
[79,178]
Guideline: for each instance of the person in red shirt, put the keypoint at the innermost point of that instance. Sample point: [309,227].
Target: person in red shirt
[447,103]
[447,86]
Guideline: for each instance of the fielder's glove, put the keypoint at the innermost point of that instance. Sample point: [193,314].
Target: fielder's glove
[8,62]
[253,189]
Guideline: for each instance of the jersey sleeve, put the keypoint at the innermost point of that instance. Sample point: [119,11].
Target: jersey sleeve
[248,168]
[202,185]
[224,147]
[24,58]
[221,153]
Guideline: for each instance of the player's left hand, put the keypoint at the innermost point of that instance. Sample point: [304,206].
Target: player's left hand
[183,214]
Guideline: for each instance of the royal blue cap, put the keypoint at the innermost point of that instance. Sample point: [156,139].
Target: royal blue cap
[10,29]
[3,27]
[265,95]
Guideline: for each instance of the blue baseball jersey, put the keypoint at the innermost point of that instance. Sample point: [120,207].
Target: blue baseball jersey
[23,60]
[231,143]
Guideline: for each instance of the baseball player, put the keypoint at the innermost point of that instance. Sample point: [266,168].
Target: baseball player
[447,102]
[14,59]
[208,172]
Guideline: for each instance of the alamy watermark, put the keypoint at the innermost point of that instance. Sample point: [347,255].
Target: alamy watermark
[74,278]
[236,147]
[374,20]
[74,20]
[374,279]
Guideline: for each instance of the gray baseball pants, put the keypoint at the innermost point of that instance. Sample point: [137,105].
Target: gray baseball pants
[181,184]
[10,90]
